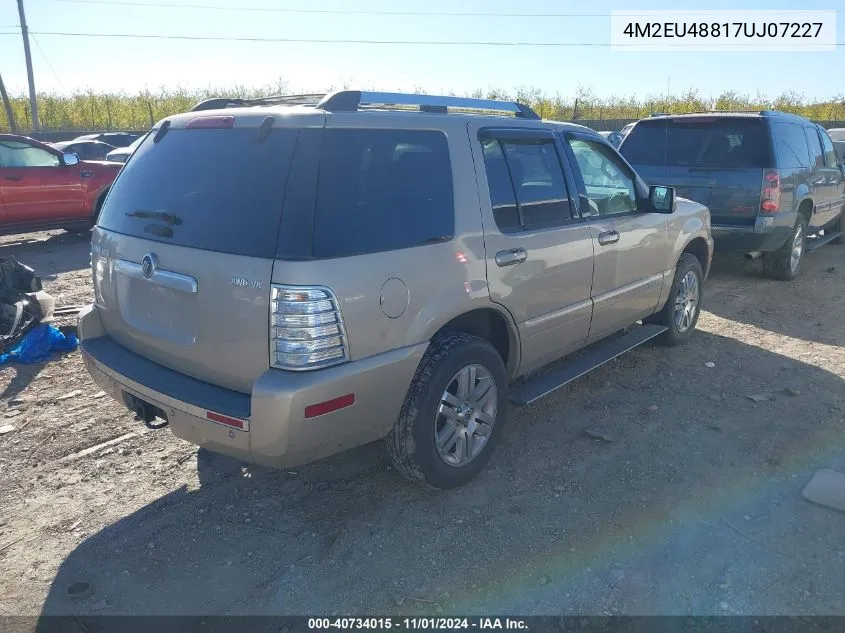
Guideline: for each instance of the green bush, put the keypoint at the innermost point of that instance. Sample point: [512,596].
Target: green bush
[116,111]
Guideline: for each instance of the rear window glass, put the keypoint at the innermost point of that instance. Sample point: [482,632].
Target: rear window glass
[382,190]
[707,142]
[219,190]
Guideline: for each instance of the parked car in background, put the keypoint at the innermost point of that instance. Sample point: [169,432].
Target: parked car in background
[225,220]
[837,135]
[42,188]
[628,127]
[770,179]
[86,150]
[122,154]
[117,139]
[614,138]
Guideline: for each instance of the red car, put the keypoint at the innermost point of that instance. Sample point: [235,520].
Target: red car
[42,188]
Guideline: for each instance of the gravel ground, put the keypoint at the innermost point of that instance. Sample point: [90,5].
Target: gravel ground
[692,507]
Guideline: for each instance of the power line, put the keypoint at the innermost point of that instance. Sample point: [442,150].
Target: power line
[44,55]
[295,40]
[217,7]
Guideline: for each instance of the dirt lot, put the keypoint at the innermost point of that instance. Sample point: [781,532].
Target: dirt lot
[692,507]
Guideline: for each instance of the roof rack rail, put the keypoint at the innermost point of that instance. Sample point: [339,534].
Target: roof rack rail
[353,100]
[235,102]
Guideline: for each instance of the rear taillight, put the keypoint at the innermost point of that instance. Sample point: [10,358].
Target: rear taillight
[306,329]
[770,200]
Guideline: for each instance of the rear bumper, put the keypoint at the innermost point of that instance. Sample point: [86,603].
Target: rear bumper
[273,428]
[768,233]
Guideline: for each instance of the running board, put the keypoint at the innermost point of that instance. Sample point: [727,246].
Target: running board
[570,369]
[817,242]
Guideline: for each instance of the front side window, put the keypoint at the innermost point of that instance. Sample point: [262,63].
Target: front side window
[610,190]
[18,154]
[382,190]
[526,184]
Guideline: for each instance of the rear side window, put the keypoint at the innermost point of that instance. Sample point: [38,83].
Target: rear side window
[829,151]
[213,189]
[382,190]
[790,145]
[815,144]
[527,187]
[711,142]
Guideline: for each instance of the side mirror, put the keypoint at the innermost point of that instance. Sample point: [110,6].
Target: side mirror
[70,159]
[661,199]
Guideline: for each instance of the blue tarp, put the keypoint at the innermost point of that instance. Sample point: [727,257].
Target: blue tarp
[39,343]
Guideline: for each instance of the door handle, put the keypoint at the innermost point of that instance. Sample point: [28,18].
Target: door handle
[511,257]
[86,174]
[608,237]
[14,178]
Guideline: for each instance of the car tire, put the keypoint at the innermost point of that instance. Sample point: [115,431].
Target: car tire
[683,306]
[454,366]
[785,263]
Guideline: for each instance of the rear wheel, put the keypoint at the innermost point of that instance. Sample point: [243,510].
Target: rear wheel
[454,412]
[785,263]
[683,307]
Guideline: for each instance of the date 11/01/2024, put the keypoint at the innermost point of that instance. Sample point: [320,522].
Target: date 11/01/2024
[723,29]
[418,623]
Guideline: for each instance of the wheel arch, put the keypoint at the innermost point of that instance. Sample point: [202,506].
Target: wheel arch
[493,325]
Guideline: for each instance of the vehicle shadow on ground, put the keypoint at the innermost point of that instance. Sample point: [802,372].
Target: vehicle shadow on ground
[60,252]
[738,290]
[559,521]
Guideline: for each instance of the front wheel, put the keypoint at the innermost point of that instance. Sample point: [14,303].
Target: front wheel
[454,412]
[785,262]
[683,307]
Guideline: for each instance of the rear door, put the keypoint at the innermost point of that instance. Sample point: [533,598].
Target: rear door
[631,246]
[539,252]
[185,244]
[829,185]
[717,161]
[37,187]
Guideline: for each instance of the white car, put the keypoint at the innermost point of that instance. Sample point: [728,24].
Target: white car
[122,154]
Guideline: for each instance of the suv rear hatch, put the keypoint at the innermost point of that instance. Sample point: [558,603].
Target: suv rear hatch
[184,247]
[718,161]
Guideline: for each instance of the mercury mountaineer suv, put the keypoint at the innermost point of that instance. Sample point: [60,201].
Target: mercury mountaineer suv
[286,278]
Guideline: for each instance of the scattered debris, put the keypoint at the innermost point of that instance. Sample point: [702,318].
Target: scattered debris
[826,488]
[98,395]
[710,364]
[6,428]
[11,413]
[759,397]
[597,435]
[832,269]
[94,449]
[791,391]
[75,525]
[68,396]
[652,408]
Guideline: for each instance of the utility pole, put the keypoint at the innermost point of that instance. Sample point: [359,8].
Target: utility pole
[10,116]
[33,103]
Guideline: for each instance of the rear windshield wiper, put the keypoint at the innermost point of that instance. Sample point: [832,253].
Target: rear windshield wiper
[164,216]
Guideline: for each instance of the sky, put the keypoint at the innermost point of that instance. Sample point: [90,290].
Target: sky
[64,64]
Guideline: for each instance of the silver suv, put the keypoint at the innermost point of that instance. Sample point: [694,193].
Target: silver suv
[284,279]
